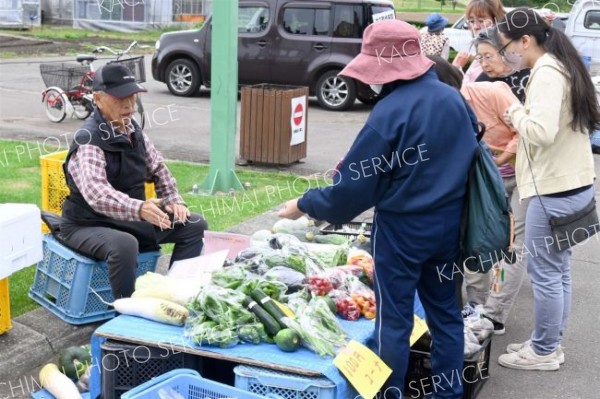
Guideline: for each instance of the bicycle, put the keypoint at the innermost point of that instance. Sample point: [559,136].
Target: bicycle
[69,86]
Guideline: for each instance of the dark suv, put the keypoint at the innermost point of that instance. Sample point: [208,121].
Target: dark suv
[291,42]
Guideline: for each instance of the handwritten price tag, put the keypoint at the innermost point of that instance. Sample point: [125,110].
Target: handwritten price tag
[363,368]
[420,328]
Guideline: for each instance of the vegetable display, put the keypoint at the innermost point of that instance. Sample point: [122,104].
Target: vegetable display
[289,288]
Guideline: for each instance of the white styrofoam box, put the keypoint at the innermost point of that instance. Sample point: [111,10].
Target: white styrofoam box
[20,237]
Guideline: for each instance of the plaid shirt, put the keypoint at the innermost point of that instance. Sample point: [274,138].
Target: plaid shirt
[87,166]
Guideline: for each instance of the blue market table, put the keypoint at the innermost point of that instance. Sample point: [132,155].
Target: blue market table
[138,331]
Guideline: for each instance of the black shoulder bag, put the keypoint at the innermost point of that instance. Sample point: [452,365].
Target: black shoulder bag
[573,229]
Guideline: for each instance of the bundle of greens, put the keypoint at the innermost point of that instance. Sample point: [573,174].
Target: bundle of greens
[216,316]
[318,328]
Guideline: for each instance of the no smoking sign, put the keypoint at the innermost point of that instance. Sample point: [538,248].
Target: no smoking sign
[298,120]
[298,114]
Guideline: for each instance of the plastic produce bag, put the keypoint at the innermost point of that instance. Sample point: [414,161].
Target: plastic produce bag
[293,279]
[346,306]
[318,328]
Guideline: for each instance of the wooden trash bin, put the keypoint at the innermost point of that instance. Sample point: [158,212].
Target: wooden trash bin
[268,121]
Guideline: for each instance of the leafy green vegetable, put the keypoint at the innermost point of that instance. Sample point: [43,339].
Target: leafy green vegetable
[318,328]
[251,333]
[229,277]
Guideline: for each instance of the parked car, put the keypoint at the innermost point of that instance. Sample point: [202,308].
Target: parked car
[461,38]
[583,27]
[289,42]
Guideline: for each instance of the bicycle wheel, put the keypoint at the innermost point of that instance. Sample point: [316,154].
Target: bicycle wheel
[139,115]
[80,110]
[55,106]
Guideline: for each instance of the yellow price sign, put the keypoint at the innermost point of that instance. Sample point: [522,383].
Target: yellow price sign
[419,328]
[363,368]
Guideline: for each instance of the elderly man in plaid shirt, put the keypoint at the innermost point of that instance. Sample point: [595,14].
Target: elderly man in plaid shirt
[107,215]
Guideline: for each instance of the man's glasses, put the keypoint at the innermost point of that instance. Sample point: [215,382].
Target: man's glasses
[503,49]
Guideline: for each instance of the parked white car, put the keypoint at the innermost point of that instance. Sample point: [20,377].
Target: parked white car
[583,27]
[460,35]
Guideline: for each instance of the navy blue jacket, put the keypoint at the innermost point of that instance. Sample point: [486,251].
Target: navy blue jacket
[412,155]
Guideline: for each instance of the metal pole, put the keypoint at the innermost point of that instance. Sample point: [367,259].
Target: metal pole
[223,98]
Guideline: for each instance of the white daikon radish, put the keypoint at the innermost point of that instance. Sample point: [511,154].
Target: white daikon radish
[58,384]
[154,309]
[154,285]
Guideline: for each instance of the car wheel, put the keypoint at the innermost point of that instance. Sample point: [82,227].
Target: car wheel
[335,93]
[368,100]
[182,77]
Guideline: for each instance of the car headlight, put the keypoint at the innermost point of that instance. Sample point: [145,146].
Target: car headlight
[157,45]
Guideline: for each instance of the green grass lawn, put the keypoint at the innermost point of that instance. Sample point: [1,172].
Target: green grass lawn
[53,32]
[429,5]
[20,175]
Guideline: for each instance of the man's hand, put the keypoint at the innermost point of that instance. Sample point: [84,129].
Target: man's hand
[179,211]
[461,59]
[151,212]
[290,210]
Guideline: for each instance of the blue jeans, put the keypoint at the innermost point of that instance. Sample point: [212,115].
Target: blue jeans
[549,270]
[410,252]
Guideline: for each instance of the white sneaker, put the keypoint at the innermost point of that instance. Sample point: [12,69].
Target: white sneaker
[467,311]
[527,359]
[511,348]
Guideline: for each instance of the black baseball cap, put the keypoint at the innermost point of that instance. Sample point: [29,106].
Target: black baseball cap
[116,80]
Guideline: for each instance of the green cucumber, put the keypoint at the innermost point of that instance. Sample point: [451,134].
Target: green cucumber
[266,302]
[271,325]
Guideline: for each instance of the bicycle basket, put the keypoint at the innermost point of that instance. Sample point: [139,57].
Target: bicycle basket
[64,75]
[136,65]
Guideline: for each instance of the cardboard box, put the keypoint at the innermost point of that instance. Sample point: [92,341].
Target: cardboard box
[20,237]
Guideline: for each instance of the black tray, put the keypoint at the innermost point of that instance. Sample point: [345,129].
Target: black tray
[342,229]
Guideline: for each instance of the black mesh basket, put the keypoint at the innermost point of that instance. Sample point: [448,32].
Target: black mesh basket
[66,76]
[125,366]
[136,65]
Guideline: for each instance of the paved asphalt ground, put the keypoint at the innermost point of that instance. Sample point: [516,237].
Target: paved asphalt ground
[37,336]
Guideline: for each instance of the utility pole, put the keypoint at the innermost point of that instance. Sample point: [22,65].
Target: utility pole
[223,98]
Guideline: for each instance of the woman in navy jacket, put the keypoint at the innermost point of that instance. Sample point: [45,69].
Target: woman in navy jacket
[410,162]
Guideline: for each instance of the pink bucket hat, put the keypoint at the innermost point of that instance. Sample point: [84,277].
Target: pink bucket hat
[390,51]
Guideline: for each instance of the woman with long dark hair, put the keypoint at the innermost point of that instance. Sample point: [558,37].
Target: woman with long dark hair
[554,168]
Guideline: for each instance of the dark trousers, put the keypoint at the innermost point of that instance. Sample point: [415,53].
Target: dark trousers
[120,249]
[410,252]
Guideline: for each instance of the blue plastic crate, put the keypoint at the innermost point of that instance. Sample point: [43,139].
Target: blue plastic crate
[64,281]
[43,394]
[190,385]
[289,386]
